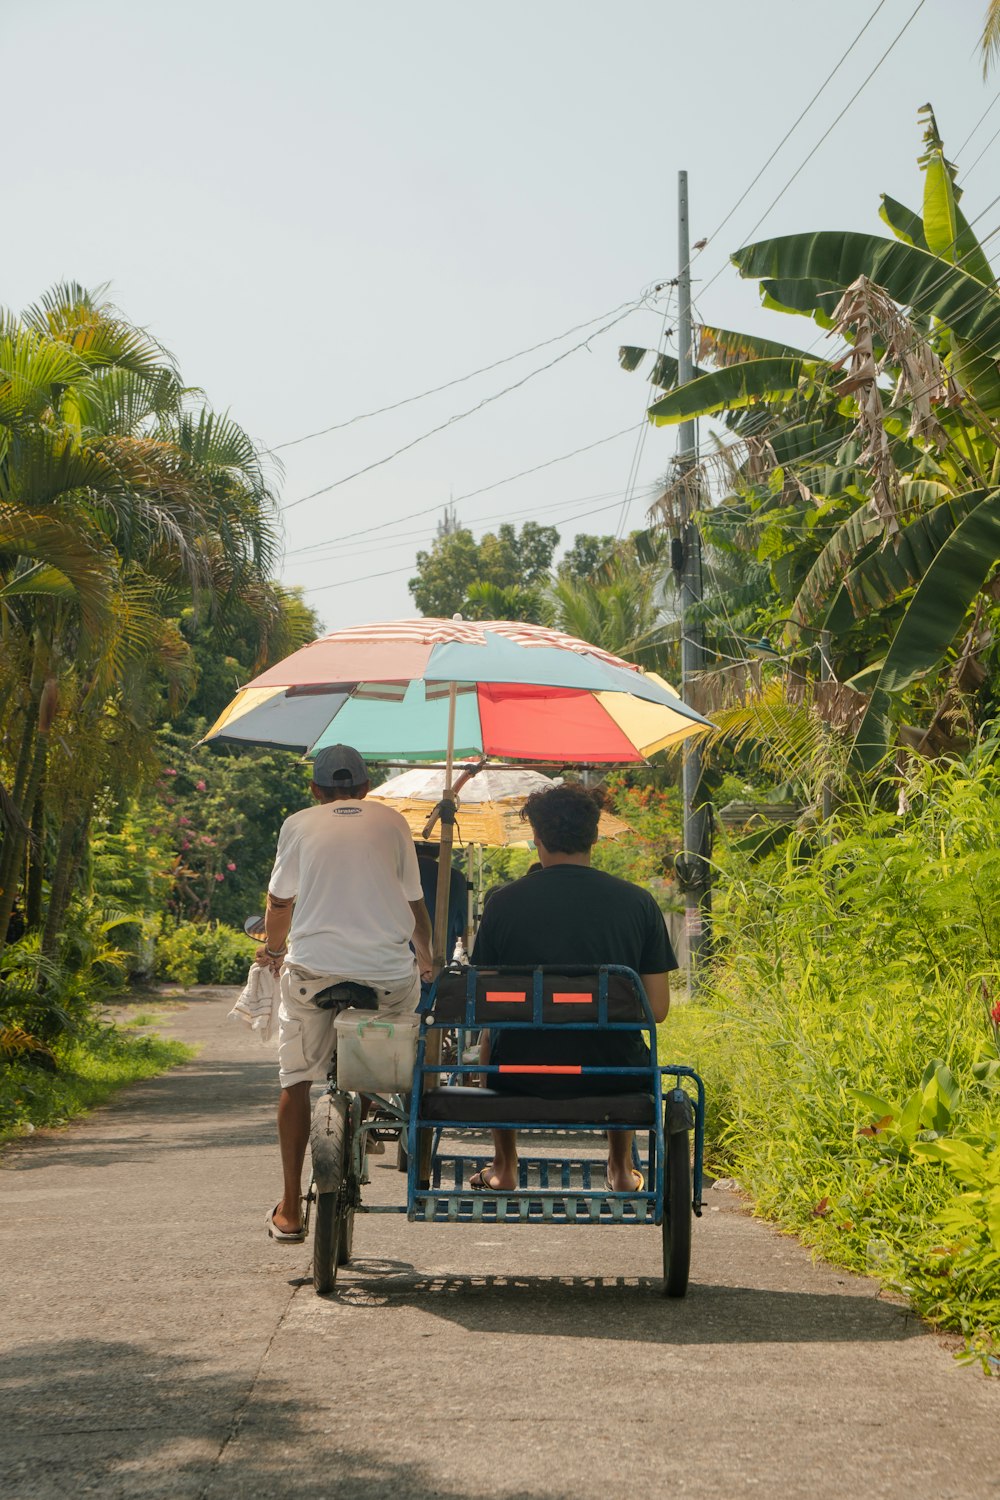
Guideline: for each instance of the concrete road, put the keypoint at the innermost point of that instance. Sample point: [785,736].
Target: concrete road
[156,1344]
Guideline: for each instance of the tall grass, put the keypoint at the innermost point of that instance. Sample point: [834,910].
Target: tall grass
[847,1038]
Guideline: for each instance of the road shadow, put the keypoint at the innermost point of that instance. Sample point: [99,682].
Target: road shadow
[125,1421]
[627,1309]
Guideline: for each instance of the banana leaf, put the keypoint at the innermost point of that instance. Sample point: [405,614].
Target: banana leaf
[664,372]
[854,539]
[946,228]
[977,371]
[811,296]
[724,347]
[915,278]
[731,388]
[630,356]
[904,223]
[880,578]
[932,620]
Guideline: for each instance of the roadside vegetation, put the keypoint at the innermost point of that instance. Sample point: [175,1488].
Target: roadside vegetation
[849,1035]
[138,539]
[849,1025]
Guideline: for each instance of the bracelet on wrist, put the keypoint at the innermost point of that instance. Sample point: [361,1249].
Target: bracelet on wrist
[272,953]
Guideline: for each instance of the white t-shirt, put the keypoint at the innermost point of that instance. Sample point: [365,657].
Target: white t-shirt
[352,869]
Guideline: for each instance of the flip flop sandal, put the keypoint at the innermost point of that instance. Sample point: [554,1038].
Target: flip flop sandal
[482,1186]
[640,1185]
[290,1236]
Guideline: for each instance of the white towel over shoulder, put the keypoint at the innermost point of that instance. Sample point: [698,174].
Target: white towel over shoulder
[257,1005]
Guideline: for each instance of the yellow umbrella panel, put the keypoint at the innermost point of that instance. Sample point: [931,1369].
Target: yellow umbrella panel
[493,824]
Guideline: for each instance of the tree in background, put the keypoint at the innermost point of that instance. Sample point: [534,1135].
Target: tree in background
[506,559]
[586,555]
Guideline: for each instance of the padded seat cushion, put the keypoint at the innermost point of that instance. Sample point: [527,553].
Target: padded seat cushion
[485,1106]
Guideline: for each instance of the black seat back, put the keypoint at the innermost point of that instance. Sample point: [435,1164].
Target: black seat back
[543,996]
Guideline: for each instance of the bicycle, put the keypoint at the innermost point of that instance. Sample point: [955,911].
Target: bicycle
[340,1123]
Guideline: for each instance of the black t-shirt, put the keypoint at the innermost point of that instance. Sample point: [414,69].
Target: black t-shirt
[573,914]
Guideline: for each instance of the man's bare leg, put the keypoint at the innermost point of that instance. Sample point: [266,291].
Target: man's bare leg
[293,1138]
[621,1173]
[502,1174]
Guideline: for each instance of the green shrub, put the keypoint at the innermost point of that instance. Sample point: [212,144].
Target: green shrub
[203,953]
[84,1070]
[847,1033]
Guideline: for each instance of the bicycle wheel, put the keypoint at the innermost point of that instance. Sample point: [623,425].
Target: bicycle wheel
[331,1147]
[345,1248]
[677,1214]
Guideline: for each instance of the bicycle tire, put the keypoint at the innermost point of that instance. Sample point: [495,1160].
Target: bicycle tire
[332,1200]
[326,1237]
[677,1213]
[345,1246]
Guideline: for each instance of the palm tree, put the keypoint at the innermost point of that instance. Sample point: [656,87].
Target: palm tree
[122,497]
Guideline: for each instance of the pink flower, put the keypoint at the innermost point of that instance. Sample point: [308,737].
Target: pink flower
[186,844]
[199,786]
[183,821]
[220,876]
[231,865]
[995,1014]
[170,771]
[206,840]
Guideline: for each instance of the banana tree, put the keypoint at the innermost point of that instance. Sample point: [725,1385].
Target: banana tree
[864,479]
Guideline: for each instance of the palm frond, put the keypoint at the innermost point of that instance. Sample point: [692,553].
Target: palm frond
[989,42]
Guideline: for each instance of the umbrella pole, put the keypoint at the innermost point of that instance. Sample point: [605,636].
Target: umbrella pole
[440,956]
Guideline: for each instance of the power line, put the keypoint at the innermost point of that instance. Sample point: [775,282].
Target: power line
[459,380]
[640,443]
[409,567]
[796,122]
[460,416]
[982,153]
[470,494]
[829,130]
[407,538]
[982,117]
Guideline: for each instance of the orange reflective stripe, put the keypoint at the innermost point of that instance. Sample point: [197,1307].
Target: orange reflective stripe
[569,997]
[506,997]
[538,1068]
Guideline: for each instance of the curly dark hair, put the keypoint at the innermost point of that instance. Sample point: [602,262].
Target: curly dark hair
[564,818]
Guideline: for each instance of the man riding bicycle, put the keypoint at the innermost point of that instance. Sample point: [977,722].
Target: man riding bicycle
[345,897]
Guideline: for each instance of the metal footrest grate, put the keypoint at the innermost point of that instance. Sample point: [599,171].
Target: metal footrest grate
[552,1190]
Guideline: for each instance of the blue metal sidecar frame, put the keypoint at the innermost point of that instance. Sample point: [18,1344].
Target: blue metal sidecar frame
[556,1188]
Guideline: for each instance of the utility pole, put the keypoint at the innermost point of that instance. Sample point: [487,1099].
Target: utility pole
[695,868]
[826,675]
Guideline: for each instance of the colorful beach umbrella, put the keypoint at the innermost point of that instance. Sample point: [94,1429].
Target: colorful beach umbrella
[510,690]
[426,688]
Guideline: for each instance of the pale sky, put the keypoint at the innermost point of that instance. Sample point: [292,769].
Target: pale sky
[325,208]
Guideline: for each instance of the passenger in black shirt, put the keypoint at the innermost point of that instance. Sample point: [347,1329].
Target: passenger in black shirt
[569,913]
